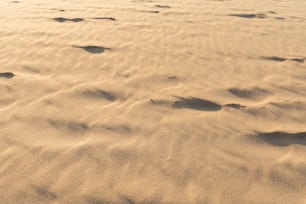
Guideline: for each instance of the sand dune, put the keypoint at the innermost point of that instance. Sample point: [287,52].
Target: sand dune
[149,101]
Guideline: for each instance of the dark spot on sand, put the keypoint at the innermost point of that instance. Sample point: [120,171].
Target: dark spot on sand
[275,58]
[252,93]
[282,59]
[93,49]
[162,6]
[7,75]
[196,104]
[282,138]
[172,77]
[100,94]
[235,106]
[46,193]
[246,15]
[63,20]
[104,18]
[300,60]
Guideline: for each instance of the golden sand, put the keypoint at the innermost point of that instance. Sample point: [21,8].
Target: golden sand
[138,101]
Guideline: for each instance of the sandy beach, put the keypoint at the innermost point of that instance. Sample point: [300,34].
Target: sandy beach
[152,101]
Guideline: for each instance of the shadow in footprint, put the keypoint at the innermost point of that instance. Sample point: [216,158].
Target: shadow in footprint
[104,18]
[279,18]
[196,104]
[161,6]
[283,138]
[300,60]
[248,93]
[235,106]
[63,20]
[56,9]
[149,11]
[282,59]
[245,15]
[7,75]
[93,49]
[172,77]
[100,94]
[275,58]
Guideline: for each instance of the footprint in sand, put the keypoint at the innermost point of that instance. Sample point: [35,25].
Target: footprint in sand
[252,93]
[235,106]
[247,15]
[105,18]
[100,94]
[63,20]
[196,104]
[282,139]
[282,59]
[93,49]
[172,77]
[162,6]
[56,9]
[279,18]
[189,103]
[149,11]
[7,75]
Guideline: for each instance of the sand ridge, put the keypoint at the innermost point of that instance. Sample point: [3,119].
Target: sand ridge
[147,101]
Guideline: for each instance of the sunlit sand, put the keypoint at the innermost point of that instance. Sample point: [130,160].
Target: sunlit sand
[142,102]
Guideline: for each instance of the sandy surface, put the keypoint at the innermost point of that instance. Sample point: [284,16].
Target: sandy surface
[138,101]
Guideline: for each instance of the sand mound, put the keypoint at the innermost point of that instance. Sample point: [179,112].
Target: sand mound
[175,101]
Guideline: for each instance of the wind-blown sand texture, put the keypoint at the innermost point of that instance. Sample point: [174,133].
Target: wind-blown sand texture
[150,101]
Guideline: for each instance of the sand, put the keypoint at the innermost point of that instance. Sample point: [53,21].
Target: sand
[138,101]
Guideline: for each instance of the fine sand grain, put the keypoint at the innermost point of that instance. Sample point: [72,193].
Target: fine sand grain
[150,101]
